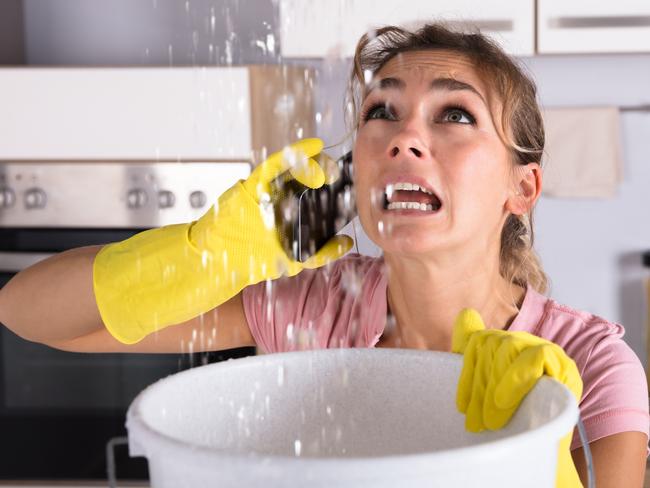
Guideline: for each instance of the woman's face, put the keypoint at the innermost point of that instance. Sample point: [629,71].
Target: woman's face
[425,121]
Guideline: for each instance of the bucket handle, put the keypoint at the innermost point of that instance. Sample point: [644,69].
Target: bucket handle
[110,458]
[591,479]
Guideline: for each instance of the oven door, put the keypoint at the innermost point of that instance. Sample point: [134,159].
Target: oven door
[59,409]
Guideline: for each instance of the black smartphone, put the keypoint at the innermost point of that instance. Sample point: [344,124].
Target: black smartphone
[307,218]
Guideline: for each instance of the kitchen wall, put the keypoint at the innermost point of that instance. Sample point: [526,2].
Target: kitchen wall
[590,248]
[12,43]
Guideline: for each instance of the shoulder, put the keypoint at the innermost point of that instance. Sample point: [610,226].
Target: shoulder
[573,329]
[615,393]
[331,306]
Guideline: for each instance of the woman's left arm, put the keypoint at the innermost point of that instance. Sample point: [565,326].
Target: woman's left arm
[619,460]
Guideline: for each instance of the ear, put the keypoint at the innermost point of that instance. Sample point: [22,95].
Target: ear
[526,188]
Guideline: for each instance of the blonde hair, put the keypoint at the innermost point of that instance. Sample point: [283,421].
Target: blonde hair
[521,126]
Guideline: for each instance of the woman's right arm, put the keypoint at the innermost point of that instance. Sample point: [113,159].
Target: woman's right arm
[53,302]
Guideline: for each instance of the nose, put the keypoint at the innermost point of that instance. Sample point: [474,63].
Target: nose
[395,150]
[407,144]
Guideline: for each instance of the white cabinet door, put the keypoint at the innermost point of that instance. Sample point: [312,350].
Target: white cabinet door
[322,28]
[585,26]
[125,113]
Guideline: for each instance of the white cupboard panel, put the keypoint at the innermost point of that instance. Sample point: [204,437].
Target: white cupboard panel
[125,113]
[322,28]
[585,26]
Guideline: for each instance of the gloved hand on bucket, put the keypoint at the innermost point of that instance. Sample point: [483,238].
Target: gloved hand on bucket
[499,369]
[168,275]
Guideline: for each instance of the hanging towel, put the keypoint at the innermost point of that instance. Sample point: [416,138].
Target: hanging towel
[582,157]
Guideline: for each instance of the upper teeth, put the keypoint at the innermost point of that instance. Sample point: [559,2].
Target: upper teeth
[391,187]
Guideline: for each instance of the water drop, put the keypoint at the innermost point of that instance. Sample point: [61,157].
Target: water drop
[259,43]
[351,281]
[290,334]
[195,40]
[213,21]
[270,43]
[281,375]
[297,446]
[367,76]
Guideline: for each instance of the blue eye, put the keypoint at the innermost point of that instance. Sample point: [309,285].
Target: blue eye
[378,111]
[457,114]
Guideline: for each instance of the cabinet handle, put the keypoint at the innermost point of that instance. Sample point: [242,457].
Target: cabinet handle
[496,25]
[591,22]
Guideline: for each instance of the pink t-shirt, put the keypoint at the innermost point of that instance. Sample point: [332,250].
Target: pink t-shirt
[344,305]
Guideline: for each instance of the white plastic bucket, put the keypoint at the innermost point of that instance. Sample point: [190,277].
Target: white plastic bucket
[340,417]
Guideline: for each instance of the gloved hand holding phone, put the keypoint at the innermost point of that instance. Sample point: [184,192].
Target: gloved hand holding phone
[168,275]
[499,369]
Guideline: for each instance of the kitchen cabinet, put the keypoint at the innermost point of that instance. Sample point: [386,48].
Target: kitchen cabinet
[153,114]
[584,26]
[322,28]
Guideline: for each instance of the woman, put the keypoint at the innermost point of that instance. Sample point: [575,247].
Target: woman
[447,121]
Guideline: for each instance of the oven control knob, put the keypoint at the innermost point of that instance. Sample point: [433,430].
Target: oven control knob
[7,197]
[35,198]
[136,198]
[198,199]
[166,199]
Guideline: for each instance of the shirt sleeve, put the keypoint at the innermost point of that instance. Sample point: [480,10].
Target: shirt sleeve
[615,393]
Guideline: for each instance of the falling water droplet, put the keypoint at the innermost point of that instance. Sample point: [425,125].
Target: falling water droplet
[195,40]
[367,76]
[270,43]
[290,334]
[281,375]
[351,281]
[213,20]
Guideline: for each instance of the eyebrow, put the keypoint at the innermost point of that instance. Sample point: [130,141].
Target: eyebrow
[450,84]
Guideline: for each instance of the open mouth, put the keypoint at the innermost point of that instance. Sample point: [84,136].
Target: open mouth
[410,196]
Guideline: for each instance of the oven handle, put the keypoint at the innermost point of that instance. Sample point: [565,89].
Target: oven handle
[13,262]
[110,458]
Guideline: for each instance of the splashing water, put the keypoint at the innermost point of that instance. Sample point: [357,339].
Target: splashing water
[281,375]
[297,447]
[351,281]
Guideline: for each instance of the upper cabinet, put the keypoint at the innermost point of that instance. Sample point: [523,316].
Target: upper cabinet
[323,28]
[585,26]
[168,114]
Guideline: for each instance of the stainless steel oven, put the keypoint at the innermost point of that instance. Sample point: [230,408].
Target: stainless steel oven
[58,409]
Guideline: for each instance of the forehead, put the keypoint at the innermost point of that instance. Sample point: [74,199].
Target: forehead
[424,66]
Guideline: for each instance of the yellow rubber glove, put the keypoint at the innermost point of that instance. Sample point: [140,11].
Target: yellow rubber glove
[499,369]
[168,275]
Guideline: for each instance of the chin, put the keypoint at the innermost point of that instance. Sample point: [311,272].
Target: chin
[407,242]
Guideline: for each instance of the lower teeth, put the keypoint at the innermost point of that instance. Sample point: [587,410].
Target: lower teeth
[410,205]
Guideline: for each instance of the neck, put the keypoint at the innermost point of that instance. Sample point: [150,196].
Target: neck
[425,296]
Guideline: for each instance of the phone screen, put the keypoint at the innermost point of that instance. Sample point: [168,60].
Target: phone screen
[307,218]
